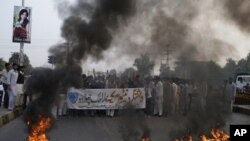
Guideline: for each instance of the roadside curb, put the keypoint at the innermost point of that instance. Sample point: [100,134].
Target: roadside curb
[242,109]
[4,119]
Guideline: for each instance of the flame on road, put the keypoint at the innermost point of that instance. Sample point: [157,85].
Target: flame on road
[38,131]
[216,135]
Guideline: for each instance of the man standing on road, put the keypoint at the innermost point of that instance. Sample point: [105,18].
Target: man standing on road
[158,109]
[5,85]
[12,86]
[176,95]
[20,82]
[1,93]
[229,94]
[150,92]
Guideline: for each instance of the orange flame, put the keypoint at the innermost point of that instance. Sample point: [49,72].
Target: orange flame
[38,132]
[216,135]
[145,139]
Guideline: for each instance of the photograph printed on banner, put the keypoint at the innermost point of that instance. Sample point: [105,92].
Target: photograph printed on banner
[22,24]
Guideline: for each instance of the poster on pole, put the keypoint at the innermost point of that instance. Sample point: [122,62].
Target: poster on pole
[106,98]
[21,24]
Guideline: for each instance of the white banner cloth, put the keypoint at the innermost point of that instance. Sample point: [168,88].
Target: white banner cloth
[106,98]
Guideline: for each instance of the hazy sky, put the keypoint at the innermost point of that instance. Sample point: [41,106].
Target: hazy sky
[46,33]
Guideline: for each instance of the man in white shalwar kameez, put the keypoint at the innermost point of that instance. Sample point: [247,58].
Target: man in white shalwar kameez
[158,107]
[12,83]
[229,93]
[176,94]
[150,93]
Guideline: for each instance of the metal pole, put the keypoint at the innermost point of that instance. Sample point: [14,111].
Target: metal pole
[21,58]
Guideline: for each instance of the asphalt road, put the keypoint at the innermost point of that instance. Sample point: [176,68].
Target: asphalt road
[107,129]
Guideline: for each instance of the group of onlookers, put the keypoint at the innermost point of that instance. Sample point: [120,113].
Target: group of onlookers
[168,96]
[108,82]
[163,96]
[12,80]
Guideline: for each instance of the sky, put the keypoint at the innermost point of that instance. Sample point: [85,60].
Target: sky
[46,24]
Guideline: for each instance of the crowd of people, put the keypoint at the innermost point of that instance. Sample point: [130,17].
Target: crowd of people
[164,96]
[12,80]
[108,81]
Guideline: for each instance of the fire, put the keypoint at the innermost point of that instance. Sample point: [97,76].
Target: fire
[145,139]
[38,131]
[216,135]
[189,138]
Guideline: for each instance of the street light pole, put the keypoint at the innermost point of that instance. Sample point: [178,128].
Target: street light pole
[21,54]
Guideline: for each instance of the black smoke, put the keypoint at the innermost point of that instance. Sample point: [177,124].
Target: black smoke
[43,87]
[133,125]
[87,31]
[169,32]
[176,25]
[239,11]
[90,33]
[203,117]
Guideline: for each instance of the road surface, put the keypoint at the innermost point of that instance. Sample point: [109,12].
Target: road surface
[106,129]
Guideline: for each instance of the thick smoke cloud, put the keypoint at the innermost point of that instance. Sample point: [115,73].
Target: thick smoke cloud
[174,24]
[202,118]
[85,35]
[90,26]
[239,11]
[133,125]
[43,86]
[169,32]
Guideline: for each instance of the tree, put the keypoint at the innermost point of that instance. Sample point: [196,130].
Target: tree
[15,59]
[243,65]
[199,71]
[113,72]
[2,63]
[248,63]
[164,70]
[128,73]
[144,65]
[230,69]
[214,73]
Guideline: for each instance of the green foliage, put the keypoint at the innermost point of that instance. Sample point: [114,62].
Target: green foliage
[129,73]
[199,71]
[15,59]
[144,65]
[210,70]
[230,69]
[164,71]
[113,72]
[2,62]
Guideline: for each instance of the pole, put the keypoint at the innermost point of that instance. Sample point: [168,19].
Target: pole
[21,58]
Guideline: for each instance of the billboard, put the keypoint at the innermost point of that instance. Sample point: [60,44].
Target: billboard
[21,24]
